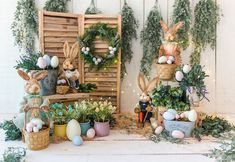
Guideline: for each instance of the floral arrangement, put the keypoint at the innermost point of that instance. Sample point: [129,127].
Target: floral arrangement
[151,39]
[207,16]
[103,111]
[85,110]
[182,12]
[14,154]
[61,114]
[170,97]
[11,131]
[56,5]
[129,32]
[25,24]
[192,77]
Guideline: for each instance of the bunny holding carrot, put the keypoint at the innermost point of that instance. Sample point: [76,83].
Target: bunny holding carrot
[145,104]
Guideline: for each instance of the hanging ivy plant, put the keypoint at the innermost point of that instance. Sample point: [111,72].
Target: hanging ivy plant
[207,17]
[182,12]
[129,31]
[56,5]
[151,39]
[24,26]
[92,9]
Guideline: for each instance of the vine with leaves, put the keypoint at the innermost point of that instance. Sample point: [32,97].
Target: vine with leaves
[129,32]
[182,12]
[151,39]
[25,24]
[56,5]
[207,16]
[92,9]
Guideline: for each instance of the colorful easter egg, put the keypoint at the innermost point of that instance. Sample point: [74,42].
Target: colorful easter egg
[168,116]
[158,130]
[73,129]
[192,115]
[90,133]
[169,62]
[171,58]
[173,111]
[54,62]
[41,63]
[179,76]
[77,140]
[47,59]
[186,69]
[177,134]
[162,60]
[35,129]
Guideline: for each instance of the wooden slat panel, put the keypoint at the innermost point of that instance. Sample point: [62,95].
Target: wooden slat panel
[60,20]
[107,70]
[60,33]
[59,39]
[100,79]
[102,75]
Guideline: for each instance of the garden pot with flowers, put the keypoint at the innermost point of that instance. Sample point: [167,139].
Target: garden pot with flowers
[191,80]
[84,111]
[60,115]
[103,112]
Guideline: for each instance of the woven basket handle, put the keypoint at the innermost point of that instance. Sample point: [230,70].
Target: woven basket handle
[27,108]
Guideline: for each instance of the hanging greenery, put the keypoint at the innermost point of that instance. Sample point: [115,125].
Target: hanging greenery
[92,9]
[24,26]
[129,31]
[207,17]
[107,34]
[11,131]
[182,12]
[56,5]
[151,39]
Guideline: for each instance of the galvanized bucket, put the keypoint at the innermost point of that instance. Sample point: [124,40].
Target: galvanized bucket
[48,84]
[185,127]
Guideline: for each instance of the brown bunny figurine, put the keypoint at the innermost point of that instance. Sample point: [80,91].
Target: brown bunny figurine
[33,99]
[70,73]
[145,104]
[169,46]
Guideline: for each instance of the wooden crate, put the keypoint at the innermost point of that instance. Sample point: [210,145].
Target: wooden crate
[56,28]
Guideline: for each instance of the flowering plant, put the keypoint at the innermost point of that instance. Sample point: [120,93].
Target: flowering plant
[84,111]
[103,111]
[62,114]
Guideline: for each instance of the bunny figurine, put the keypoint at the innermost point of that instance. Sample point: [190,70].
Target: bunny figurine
[33,99]
[145,106]
[169,46]
[70,73]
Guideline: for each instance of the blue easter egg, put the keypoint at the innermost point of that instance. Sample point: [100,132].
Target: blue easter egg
[168,116]
[173,111]
[77,141]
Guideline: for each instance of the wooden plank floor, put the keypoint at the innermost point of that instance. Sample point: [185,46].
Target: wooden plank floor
[118,147]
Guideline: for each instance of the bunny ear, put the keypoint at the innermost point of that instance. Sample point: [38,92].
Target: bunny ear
[40,75]
[177,26]
[152,84]
[74,51]
[164,26]
[23,75]
[66,49]
[141,82]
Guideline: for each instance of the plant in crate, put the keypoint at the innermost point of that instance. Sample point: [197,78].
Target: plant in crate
[34,62]
[192,80]
[103,111]
[61,115]
[84,111]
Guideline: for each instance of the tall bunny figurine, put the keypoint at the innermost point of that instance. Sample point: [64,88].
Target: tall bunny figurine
[70,73]
[170,47]
[145,107]
[32,99]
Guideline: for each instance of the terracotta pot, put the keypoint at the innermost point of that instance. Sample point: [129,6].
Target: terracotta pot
[60,130]
[101,128]
[85,127]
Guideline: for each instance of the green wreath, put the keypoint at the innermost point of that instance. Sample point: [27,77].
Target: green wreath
[105,33]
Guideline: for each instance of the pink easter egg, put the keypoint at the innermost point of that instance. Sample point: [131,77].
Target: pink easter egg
[41,63]
[177,134]
[179,76]
[177,116]
[29,127]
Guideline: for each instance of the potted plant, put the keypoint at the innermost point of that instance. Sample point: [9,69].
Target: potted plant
[103,111]
[191,80]
[33,62]
[84,111]
[60,115]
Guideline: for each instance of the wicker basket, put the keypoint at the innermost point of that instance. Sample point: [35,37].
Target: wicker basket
[62,89]
[36,140]
[166,71]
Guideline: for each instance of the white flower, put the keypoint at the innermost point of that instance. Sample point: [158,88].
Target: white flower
[99,60]
[88,49]
[83,49]
[97,110]
[96,63]
[111,52]
[94,59]
[114,49]
[86,52]
[110,48]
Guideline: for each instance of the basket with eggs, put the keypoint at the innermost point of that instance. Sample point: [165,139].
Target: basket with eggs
[166,67]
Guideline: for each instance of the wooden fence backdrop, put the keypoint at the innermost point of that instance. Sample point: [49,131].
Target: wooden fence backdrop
[56,28]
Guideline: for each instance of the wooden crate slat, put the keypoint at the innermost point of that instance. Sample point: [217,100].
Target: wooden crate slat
[60,39]
[60,33]
[60,20]
[100,79]
[107,70]
[100,74]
